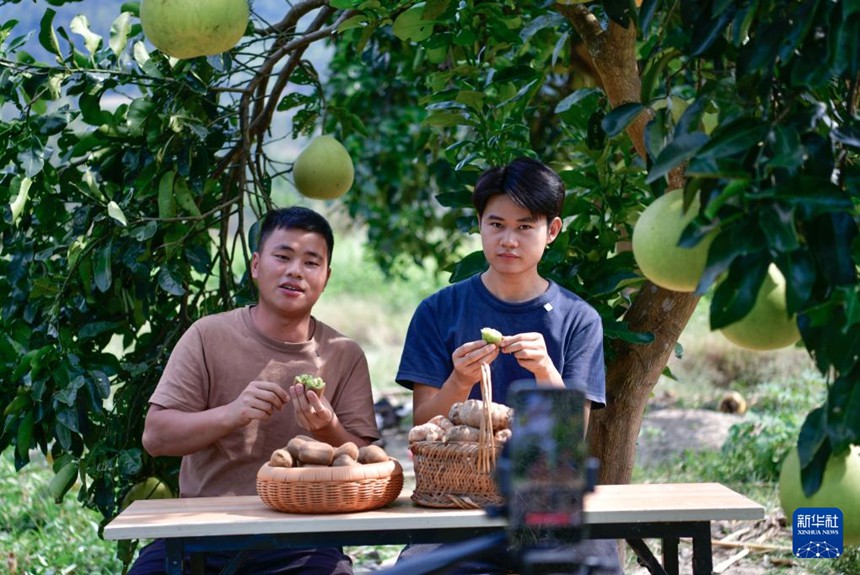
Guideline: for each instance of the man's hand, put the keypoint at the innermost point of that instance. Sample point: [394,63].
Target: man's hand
[312,411]
[258,401]
[529,349]
[468,359]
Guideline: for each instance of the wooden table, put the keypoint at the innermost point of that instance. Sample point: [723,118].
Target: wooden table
[641,511]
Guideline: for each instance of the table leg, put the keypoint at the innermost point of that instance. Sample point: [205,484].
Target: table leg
[670,555]
[645,557]
[703,562]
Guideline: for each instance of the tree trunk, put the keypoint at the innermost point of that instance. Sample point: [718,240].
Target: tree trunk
[633,369]
[632,373]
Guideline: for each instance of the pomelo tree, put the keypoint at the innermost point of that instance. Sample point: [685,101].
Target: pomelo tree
[127,173]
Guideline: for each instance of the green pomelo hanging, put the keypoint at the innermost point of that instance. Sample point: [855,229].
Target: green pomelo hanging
[191,28]
[767,326]
[324,169]
[655,244]
[840,488]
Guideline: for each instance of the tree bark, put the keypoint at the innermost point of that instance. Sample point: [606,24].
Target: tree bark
[632,375]
[633,369]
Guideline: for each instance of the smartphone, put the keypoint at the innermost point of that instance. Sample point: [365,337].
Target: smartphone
[548,466]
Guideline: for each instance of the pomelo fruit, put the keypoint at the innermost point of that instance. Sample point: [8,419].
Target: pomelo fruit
[839,488]
[149,488]
[191,28]
[323,170]
[655,244]
[767,326]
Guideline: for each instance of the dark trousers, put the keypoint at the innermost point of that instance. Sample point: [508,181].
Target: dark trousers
[320,561]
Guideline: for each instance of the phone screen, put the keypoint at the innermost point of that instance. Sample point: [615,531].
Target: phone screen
[548,456]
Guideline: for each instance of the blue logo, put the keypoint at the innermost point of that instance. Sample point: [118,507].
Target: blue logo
[816,532]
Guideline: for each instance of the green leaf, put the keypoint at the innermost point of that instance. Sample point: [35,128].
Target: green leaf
[119,32]
[130,462]
[81,25]
[115,212]
[679,150]
[47,37]
[786,148]
[24,437]
[472,264]
[103,278]
[32,160]
[707,30]
[777,223]
[735,296]
[92,329]
[461,199]
[620,117]
[139,111]
[22,193]
[170,281]
[357,21]
[831,237]
[733,138]
[411,25]
[813,450]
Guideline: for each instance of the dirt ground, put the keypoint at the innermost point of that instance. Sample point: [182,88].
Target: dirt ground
[739,548]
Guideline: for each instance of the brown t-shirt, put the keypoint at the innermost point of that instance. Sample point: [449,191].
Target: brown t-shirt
[218,357]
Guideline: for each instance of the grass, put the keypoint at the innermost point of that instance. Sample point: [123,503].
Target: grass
[38,536]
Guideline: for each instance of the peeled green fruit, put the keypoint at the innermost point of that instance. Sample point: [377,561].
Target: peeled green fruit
[491,335]
[655,244]
[840,488]
[311,382]
[323,170]
[191,28]
[150,488]
[767,326]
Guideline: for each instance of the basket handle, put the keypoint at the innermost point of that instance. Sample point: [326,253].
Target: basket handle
[486,444]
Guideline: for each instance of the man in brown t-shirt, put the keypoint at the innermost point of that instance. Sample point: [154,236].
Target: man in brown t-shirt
[214,406]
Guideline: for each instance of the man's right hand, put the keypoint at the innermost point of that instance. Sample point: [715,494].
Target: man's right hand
[468,359]
[258,401]
[176,433]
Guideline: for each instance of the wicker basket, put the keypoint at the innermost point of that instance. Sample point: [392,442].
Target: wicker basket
[447,475]
[459,475]
[330,489]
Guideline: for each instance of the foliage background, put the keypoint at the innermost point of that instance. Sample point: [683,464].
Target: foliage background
[126,219]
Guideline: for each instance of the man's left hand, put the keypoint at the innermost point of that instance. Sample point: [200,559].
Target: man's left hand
[530,351]
[312,411]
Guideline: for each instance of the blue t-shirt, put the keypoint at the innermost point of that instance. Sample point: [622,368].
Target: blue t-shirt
[455,315]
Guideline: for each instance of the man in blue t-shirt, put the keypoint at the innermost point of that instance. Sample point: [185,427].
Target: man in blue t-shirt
[550,334]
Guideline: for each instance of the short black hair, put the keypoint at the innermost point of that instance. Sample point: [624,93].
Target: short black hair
[528,182]
[296,218]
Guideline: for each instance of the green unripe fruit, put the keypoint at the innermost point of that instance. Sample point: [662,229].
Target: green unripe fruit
[191,28]
[840,488]
[491,335]
[323,170]
[655,244]
[767,326]
[311,382]
[150,488]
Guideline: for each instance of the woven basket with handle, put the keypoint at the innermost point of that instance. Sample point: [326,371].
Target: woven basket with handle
[459,475]
[330,489]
